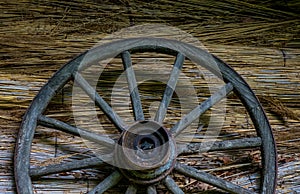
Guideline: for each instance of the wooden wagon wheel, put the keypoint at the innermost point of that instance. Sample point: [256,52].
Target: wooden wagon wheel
[146,170]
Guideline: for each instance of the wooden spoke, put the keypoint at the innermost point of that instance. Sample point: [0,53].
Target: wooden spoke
[107,183]
[59,125]
[162,109]
[210,179]
[172,186]
[65,166]
[199,110]
[100,102]
[131,189]
[151,189]
[193,148]
[133,88]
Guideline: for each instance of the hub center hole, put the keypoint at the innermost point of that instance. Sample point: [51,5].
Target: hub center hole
[146,143]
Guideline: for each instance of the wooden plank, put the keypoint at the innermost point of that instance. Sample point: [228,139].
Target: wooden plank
[247,72]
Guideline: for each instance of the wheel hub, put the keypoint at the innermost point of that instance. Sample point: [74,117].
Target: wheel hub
[145,152]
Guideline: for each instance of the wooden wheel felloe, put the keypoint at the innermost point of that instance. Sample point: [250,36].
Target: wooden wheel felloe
[146,151]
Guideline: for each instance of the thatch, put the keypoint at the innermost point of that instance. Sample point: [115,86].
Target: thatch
[60,29]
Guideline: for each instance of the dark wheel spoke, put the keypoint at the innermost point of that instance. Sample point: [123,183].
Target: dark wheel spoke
[59,125]
[172,186]
[162,109]
[133,89]
[100,102]
[107,183]
[193,148]
[202,108]
[65,166]
[131,189]
[151,189]
[210,179]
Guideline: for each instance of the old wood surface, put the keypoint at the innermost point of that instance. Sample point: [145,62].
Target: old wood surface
[35,44]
